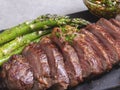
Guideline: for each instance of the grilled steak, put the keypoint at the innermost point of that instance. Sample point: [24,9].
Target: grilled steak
[118,17]
[110,28]
[115,22]
[56,63]
[17,74]
[72,64]
[113,31]
[65,58]
[89,55]
[99,49]
[106,40]
[39,63]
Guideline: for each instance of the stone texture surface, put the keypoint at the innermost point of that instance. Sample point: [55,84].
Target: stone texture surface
[13,12]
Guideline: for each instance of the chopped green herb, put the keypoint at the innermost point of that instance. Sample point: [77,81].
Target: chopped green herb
[67,32]
[70,38]
[58,34]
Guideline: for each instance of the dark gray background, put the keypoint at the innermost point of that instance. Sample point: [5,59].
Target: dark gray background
[13,12]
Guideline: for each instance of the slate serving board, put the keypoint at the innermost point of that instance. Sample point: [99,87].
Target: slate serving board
[107,81]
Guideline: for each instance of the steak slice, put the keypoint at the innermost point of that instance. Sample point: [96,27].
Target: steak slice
[71,59]
[39,63]
[115,22]
[110,28]
[113,31]
[94,64]
[56,63]
[106,40]
[17,74]
[99,49]
[118,17]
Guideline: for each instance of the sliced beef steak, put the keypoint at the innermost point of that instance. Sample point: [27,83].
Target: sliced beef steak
[17,74]
[30,54]
[106,40]
[113,31]
[56,63]
[118,17]
[71,59]
[39,63]
[115,22]
[99,49]
[65,58]
[110,28]
[94,64]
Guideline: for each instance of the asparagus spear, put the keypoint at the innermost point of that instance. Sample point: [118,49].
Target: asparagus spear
[42,22]
[17,51]
[79,22]
[76,22]
[7,48]
[20,41]
[26,27]
[5,58]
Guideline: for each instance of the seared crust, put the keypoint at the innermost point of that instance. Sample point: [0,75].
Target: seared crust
[113,31]
[99,49]
[56,63]
[39,63]
[17,74]
[72,64]
[106,40]
[95,66]
[115,22]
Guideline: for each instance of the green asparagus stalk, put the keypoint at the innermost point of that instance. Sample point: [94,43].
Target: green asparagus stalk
[35,25]
[5,58]
[76,22]
[38,39]
[20,41]
[79,22]
[17,51]
[42,22]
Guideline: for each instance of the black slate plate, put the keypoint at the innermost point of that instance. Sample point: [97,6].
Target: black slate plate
[107,81]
